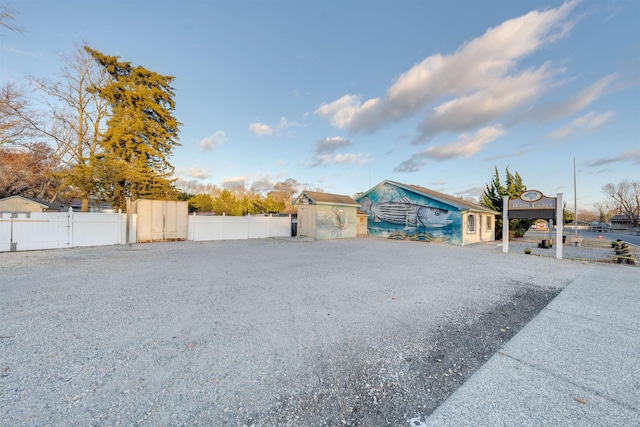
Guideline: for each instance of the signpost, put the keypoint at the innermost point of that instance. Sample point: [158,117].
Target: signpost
[532,204]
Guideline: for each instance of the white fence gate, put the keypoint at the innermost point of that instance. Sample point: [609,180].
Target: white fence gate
[53,230]
[37,230]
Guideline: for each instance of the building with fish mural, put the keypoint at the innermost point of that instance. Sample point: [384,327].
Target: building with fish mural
[326,216]
[410,212]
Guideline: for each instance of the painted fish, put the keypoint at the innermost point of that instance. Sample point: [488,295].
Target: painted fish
[404,212]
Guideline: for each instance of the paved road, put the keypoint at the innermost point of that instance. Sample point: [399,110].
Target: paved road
[613,235]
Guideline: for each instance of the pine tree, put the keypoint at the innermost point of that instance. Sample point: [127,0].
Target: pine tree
[492,199]
[141,133]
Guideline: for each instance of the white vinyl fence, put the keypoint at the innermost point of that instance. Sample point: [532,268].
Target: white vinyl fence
[237,227]
[53,230]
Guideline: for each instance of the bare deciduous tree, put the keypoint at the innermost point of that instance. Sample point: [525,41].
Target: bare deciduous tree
[603,212]
[74,114]
[15,130]
[625,197]
[69,118]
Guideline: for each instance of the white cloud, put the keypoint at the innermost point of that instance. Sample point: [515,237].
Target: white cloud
[284,123]
[583,125]
[195,173]
[259,182]
[522,150]
[331,145]
[341,112]
[581,100]
[260,129]
[632,156]
[485,106]
[36,55]
[262,184]
[471,194]
[465,146]
[325,152]
[213,141]
[473,69]
[238,181]
[346,159]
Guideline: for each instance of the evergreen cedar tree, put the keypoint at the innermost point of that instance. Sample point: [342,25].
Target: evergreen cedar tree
[141,133]
[492,199]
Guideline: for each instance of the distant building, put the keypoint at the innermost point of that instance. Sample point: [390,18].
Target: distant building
[621,222]
[25,204]
[94,206]
[401,211]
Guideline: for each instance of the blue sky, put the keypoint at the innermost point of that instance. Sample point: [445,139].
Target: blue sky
[342,95]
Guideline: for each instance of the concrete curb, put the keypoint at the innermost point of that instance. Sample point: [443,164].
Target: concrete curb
[575,364]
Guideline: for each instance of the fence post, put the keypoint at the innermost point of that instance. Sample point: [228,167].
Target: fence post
[70,221]
[224,220]
[193,227]
[119,239]
[559,225]
[505,224]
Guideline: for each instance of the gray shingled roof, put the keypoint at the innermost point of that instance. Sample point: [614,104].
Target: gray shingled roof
[328,199]
[445,198]
[43,203]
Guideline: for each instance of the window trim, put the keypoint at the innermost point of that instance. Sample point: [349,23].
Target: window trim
[471,220]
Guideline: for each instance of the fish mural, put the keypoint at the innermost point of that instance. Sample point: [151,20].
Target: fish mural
[404,212]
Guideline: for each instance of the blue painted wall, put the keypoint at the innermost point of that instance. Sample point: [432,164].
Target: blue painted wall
[398,213]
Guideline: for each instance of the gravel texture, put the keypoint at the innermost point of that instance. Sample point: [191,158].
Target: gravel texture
[579,253]
[262,332]
[576,253]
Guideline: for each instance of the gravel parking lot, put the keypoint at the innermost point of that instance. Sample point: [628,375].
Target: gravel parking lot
[262,332]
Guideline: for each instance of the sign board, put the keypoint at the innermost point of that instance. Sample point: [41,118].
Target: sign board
[532,204]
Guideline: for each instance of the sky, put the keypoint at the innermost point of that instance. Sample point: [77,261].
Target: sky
[341,95]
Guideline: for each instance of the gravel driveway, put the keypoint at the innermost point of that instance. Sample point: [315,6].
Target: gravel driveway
[261,332]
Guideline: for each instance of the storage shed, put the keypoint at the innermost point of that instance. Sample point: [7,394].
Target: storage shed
[411,212]
[159,220]
[326,216]
[24,204]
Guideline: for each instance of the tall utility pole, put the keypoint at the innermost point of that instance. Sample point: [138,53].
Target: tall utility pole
[575,200]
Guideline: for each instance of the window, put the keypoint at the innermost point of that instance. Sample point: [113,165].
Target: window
[489,222]
[471,224]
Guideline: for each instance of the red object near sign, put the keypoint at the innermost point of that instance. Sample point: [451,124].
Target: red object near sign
[601,237]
